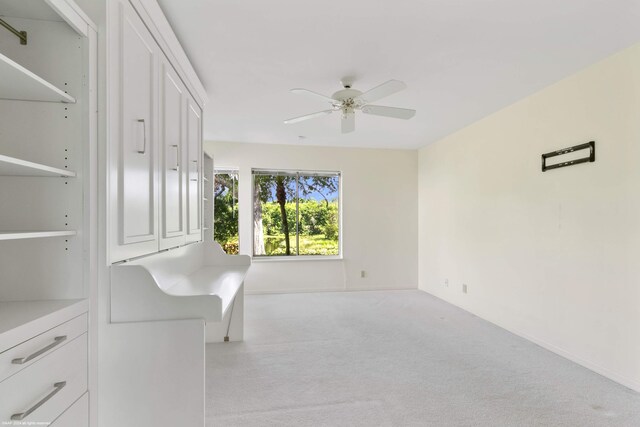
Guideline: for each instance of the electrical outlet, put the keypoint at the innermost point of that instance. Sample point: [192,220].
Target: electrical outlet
[446,283]
[464,288]
[363,274]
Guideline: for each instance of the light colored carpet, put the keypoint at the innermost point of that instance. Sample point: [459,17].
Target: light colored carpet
[396,358]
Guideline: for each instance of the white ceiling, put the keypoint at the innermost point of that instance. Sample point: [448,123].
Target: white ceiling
[461,59]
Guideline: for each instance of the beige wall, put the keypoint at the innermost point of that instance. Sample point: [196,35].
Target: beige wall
[554,256]
[379,216]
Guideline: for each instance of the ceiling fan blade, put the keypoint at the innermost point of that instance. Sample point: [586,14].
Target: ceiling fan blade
[316,94]
[308,116]
[348,123]
[396,113]
[379,92]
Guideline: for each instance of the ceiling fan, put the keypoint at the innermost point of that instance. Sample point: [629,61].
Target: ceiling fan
[349,100]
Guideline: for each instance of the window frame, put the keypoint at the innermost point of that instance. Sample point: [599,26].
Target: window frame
[297,256]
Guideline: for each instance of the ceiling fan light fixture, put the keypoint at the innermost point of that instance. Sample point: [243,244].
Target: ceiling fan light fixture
[349,100]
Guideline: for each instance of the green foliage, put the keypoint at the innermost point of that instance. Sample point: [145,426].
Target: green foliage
[315,218]
[231,247]
[225,211]
[331,227]
[309,245]
[318,228]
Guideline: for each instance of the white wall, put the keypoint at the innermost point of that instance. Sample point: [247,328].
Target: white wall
[554,256]
[379,216]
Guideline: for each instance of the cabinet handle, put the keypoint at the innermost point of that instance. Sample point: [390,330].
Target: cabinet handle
[56,342]
[196,171]
[56,388]
[144,136]
[177,158]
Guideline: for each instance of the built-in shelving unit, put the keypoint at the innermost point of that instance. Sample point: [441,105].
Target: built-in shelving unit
[19,83]
[48,214]
[46,279]
[10,166]
[17,235]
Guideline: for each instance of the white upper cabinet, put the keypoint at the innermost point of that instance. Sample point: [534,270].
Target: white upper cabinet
[173,102]
[133,174]
[194,183]
[155,138]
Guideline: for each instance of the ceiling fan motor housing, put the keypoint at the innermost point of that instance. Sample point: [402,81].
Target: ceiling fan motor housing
[346,101]
[345,94]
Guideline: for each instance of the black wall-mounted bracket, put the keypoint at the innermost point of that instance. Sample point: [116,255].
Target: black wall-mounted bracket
[591,146]
[22,35]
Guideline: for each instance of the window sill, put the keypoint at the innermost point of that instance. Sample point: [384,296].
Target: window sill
[302,258]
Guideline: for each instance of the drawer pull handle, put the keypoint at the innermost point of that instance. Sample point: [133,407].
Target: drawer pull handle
[56,342]
[56,388]
[177,166]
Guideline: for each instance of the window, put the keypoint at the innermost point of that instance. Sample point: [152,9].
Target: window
[296,213]
[225,210]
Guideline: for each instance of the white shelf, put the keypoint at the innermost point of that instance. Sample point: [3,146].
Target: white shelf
[21,84]
[10,166]
[16,235]
[193,281]
[21,320]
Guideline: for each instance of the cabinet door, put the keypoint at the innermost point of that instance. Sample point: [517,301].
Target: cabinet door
[172,156]
[194,183]
[133,149]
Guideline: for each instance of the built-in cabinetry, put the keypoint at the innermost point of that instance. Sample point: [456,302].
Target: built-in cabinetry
[173,158]
[44,363]
[101,221]
[48,213]
[162,289]
[155,157]
[133,178]
[194,172]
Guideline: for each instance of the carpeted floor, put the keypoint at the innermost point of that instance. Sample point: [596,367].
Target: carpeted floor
[396,358]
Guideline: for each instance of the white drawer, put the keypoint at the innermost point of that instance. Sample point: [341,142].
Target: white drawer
[51,385]
[76,416]
[48,341]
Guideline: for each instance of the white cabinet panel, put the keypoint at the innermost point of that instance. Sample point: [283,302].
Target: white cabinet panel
[134,214]
[76,416]
[25,354]
[194,172]
[161,383]
[44,390]
[155,176]
[172,146]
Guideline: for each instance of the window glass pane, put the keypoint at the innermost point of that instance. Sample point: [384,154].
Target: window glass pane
[225,227]
[319,215]
[274,213]
[296,213]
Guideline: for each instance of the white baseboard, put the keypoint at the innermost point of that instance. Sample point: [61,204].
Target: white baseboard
[302,291]
[605,372]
